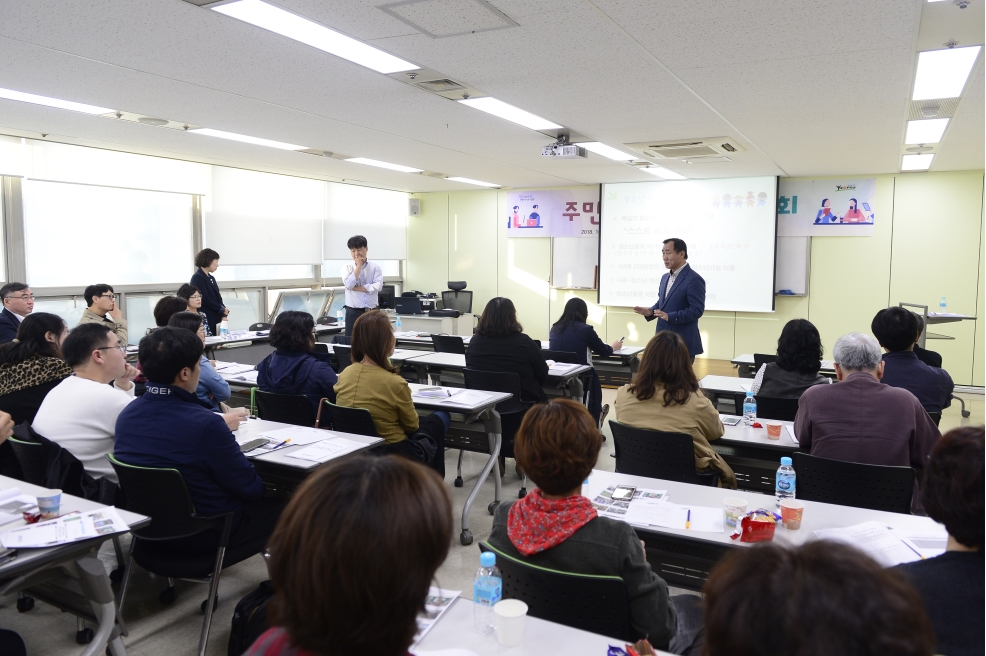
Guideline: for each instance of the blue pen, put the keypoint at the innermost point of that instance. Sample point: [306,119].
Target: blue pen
[688,522]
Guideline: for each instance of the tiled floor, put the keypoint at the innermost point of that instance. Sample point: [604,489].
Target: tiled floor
[157,630]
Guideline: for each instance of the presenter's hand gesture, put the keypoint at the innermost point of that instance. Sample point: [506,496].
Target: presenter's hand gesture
[661,315]
[645,311]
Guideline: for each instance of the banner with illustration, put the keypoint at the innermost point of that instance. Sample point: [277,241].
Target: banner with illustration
[553,212]
[826,208]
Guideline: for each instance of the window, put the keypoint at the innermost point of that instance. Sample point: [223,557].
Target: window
[140,315]
[263,272]
[245,307]
[78,235]
[69,309]
[333,268]
[310,301]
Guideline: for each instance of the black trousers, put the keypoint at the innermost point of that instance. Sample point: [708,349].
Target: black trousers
[427,445]
[352,314]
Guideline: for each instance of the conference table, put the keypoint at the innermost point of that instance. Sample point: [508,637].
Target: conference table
[251,346]
[746,366]
[684,557]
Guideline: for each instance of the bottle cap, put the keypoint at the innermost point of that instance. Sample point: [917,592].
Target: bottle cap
[786,461]
[487,559]
[749,393]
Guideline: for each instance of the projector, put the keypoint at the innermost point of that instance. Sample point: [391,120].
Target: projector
[564,151]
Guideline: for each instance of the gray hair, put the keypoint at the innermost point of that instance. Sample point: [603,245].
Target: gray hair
[857,352]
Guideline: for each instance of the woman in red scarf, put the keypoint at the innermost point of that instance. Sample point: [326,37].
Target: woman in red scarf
[556,527]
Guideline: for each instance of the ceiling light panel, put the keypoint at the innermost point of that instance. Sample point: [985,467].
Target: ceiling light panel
[474,182]
[943,73]
[57,103]
[313,34]
[925,132]
[384,165]
[507,112]
[916,162]
[662,172]
[607,151]
[232,136]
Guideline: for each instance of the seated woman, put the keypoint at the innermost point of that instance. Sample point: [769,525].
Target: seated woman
[294,368]
[818,599]
[32,365]
[352,558]
[556,527]
[212,388]
[371,382]
[501,345]
[952,584]
[571,333]
[193,297]
[665,396]
[799,357]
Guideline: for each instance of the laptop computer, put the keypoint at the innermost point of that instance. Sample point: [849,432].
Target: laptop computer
[405,305]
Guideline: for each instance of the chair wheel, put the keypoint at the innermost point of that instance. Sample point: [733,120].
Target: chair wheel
[116,575]
[492,506]
[84,637]
[465,537]
[214,606]
[168,596]
[966,413]
[458,481]
[25,604]
[522,493]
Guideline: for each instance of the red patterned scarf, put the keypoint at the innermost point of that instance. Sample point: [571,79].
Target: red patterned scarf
[535,523]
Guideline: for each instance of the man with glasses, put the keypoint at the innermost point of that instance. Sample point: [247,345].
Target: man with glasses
[80,412]
[103,310]
[18,302]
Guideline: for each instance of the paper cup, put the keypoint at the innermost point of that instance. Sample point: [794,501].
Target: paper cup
[49,503]
[792,512]
[509,615]
[774,430]
[733,511]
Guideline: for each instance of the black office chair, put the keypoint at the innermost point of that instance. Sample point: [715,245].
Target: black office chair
[30,456]
[657,454]
[161,494]
[261,325]
[598,604]
[320,347]
[344,354]
[286,408]
[342,339]
[358,421]
[449,344]
[772,408]
[457,300]
[560,356]
[876,487]
[760,359]
[511,414]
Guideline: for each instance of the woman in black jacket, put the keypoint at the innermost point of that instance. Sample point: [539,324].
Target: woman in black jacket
[500,345]
[215,311]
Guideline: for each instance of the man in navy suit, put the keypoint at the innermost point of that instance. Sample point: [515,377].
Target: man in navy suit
[681,297]
[18,302]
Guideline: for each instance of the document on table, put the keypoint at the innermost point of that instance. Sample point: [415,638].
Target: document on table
[672,515]
[233,368]
[67,528]
[246,376]
[297,435]
[559,368]
[467,398]
[327,449]
[789,429]
[618,509]
[929,543]
[437,602]
[876,540]
[628,350]
[440,393]
[13,504]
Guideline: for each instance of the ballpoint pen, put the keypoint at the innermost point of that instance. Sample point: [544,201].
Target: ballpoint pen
[688,522]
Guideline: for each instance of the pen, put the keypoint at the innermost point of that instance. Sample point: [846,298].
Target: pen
[912,549]
[688,522]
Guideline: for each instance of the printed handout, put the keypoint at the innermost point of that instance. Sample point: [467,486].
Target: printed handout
[876,540]
[437,602]
[327,449]
[67,528]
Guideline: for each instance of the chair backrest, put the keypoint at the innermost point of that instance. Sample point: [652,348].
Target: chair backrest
[655,454]
[320,347]
[262,325]
[771,408]
[348,420]
[497,381]
[457,300]
[876,487]
[344,354]
[160,494]
[448,344]
[760,359]
[598,604]
[560,356]
[342,339]
[286,408]
[30,454]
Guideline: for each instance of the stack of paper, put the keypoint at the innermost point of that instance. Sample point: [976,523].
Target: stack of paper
[876,540]
[327,449]
[67,528]
[233,368]
[440,393]
[467,398]
[562,367]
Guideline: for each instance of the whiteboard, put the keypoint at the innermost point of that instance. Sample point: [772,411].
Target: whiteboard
[793,260]
[573,261]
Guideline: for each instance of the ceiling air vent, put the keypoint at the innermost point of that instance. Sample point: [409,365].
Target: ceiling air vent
[687,148]
[440,86]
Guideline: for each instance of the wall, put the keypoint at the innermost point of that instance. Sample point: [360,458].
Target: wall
[927,243]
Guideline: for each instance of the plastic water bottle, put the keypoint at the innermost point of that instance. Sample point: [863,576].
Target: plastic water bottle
[749,409]
[340,317]
[784,488]
[487,589]
[942,305]
[397,324]
[224,329]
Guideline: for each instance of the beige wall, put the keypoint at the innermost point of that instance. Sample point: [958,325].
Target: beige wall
[928,242]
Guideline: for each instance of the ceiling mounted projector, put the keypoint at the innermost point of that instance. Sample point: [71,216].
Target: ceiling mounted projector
[564,150]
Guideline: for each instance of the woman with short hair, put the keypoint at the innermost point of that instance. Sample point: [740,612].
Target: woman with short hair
[32,365]
[799,357]
[665,396]
[295,367]
[352,558]
[212,388]
[193,297]
[206,262]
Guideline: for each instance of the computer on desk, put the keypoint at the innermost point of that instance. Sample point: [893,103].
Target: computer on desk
[386,297]
[408,305]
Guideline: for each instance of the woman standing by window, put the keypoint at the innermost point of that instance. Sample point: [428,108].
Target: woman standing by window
[212,305]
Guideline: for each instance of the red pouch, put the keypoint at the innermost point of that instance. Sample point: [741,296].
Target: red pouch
[754,531]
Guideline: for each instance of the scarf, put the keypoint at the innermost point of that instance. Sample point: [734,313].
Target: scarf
[32,372]
[535,524]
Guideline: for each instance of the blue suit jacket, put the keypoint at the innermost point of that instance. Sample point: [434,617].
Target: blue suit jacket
[684,305]
[9,324]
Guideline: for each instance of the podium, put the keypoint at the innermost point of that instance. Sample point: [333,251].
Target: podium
[932,318]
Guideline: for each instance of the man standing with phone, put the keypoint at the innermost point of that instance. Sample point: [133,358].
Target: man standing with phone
[363,280]
[681,297]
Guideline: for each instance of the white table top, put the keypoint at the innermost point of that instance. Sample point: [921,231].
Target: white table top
[751,435]
[490,399]
[726,384]
[458,361]
[422,338]
[454,631]
[816,515]
[253,428]
[399,355]
[828,366]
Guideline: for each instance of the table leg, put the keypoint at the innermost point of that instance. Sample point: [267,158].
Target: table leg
[422,373]
[492,424]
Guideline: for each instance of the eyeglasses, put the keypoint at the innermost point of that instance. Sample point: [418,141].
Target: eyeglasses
[122,348]
[23,298]
[195,296]
[112,297]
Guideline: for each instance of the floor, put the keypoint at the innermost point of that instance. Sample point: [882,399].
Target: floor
[157,630]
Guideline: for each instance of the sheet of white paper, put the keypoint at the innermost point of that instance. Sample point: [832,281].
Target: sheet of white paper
[245,377]
[789,428]
[705,519]
[562,368]
[928,543]
[443,393]
[874,539]
[13,504]
[437,602]
[298,435]
[327,449]
[233,368]
[468,398]
[68,528]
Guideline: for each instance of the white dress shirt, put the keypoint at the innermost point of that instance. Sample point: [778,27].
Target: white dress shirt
[370,278]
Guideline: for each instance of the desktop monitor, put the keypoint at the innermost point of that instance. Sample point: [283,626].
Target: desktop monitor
[461,301]
[408,305]
[386,296]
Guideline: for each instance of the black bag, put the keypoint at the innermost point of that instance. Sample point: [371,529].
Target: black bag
[249,619]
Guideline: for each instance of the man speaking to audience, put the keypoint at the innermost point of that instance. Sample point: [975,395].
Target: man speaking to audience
[680,299]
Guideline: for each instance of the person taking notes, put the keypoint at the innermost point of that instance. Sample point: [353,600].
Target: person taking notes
[363,280]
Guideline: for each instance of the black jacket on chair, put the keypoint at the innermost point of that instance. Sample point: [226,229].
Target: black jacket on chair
[516,353]
[212,300]
[9,325]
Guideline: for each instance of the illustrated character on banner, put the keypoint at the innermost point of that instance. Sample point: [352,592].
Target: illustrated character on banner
[534,220]
[825,216]
[725,201]
[762,199]
[853,215]
[737,201]
[516,217]
[750,200]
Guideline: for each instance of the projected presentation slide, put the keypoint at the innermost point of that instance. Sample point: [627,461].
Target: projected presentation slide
[729,227]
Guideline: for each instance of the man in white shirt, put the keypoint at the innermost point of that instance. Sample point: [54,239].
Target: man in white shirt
[363,281]
[80,412]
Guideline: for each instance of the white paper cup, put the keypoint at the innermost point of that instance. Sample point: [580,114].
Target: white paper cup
[49,504]
[509,615]
[733,511]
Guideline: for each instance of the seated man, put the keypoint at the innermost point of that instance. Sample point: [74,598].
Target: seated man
[18,302]
[80,412]
[859,419]
[952,584]
[930,358]
[894,328]
[169,427]
[103,310]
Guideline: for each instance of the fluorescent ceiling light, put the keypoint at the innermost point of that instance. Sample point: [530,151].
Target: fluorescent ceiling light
[660,171]
[510,113]
[232,136]
[942,73]
[474,182]
[925,132]
[384,165]
[916,162]
[607,151]
[10,94]
[311,33]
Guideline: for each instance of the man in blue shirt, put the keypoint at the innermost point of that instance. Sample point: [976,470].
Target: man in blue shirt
[895,328]
[169,427]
